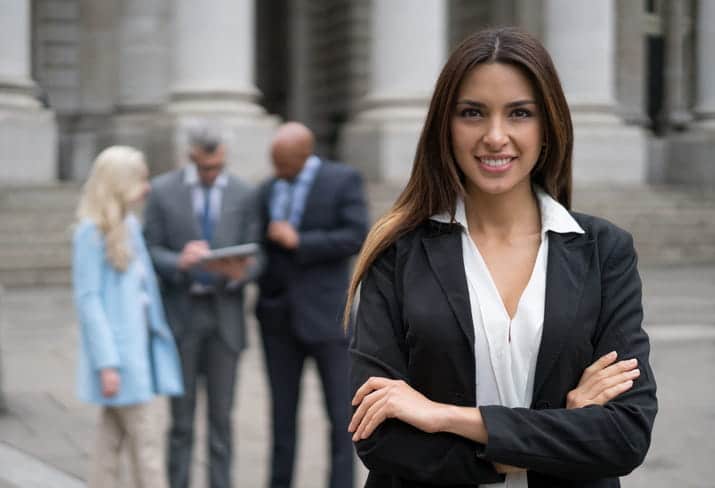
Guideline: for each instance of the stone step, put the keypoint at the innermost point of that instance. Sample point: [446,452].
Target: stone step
[669,225]
[53,196]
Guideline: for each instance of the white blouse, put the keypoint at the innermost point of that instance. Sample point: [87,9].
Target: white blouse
[506,349]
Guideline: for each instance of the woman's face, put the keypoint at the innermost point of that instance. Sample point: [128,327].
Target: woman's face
[140,189]
[496,129]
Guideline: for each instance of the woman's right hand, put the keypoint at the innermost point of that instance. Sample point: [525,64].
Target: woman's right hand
[603,381]
[110,381]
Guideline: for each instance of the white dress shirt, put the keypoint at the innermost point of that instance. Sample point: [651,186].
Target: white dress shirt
[505,348]
[191,178]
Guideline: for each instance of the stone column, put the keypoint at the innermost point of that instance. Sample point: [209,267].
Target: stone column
[705,64]
[690,152]
[408,47]
[28,132]
[143,37]
[213,79]
[581,35]
[678,18]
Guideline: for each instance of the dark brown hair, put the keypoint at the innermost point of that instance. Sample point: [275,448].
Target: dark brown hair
[436,180]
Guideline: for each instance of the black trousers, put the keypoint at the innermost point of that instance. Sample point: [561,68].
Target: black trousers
[202,351]
[285,356]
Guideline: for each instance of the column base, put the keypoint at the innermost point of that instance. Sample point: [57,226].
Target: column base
[382,142]
[608,151]
[28,146]
[689,157]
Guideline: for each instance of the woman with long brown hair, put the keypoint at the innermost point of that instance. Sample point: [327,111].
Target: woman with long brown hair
[491,316]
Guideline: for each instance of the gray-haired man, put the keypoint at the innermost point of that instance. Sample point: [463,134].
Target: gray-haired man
[189,211]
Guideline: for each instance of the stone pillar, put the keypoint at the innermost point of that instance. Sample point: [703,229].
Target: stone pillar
[213,79]
[28,132]
[3,403]
[98,82]
[679,21]
[690,152]
[705,64]
[581,35]
[408,48]
[144,68]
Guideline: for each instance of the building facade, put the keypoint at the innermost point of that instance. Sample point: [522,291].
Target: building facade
[77,75]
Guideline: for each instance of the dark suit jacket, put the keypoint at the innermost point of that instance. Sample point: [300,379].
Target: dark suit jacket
[170,222]
[303,291]
[414,323]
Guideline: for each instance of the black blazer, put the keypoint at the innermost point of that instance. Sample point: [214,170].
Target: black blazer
[303,291]
[414,323]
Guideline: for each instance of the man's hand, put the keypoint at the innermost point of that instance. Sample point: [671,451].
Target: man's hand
[111,381]
[233,268]
[284,234]
[191,254]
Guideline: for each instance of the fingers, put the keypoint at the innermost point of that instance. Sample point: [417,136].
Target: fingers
[600,364]
[616,373]
[371,399]
[363,408]
[373,383]
[374,416]
[613,392]
[605,385]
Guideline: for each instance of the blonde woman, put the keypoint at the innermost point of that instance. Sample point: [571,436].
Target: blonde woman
[127,353]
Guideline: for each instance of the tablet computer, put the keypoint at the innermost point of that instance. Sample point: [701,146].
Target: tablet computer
[239,251]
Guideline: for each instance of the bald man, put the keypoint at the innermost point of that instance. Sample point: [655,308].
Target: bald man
[316,219]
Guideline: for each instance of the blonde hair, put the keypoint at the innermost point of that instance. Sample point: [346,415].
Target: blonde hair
[115,181]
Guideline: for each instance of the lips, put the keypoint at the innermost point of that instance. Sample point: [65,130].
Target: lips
[495,164]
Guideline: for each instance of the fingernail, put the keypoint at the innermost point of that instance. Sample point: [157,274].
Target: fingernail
[633,361]
[612,354]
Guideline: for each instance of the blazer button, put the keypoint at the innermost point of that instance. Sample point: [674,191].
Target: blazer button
[542,404]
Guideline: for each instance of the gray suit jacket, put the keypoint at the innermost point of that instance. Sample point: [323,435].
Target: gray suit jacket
[170,222]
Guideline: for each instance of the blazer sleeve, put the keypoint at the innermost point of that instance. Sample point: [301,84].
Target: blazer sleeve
[595,441]
[253,230]
[378,349]
[88,262]
[345,239]
[165,260]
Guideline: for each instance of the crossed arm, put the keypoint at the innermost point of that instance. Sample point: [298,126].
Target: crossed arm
[603,431]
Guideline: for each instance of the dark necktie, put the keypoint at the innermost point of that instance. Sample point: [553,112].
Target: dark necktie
[207,229]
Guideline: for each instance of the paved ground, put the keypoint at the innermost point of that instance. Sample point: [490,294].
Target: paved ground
[45,434]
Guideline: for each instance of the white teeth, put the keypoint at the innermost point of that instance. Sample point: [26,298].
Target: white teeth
[495,163]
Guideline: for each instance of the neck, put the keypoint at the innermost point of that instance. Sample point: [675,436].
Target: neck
[503,216]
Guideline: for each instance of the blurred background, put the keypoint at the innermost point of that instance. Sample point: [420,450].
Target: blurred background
[79,75]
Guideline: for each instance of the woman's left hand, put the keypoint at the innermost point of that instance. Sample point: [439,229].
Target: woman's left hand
[379,399]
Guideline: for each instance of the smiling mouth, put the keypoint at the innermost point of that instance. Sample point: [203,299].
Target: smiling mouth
[492,163]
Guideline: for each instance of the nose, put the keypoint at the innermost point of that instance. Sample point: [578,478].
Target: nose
[496,136]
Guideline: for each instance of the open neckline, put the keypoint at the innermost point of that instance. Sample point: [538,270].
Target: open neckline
[493,286]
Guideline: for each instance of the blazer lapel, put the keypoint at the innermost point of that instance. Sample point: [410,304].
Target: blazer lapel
[185,201]
[444,253]
[311,204]
[568,262]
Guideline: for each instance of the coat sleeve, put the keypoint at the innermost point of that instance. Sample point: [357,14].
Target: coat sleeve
[378,349]
[165,260]
[595,441]
[345,239]
[88,262]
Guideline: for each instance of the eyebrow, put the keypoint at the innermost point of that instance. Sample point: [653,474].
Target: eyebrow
[516,103]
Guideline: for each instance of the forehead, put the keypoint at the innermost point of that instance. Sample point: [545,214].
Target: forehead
[496,82]
[206,158]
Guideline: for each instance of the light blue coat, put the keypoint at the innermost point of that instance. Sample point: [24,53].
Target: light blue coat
[112,311]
